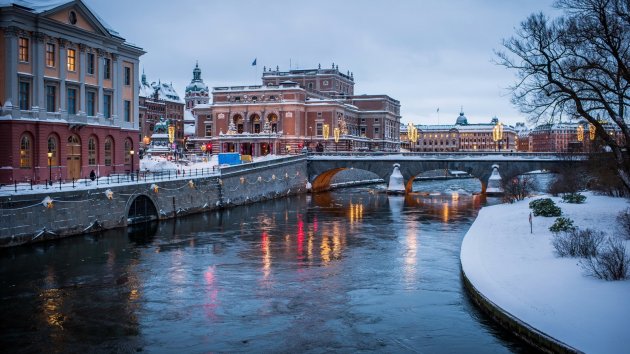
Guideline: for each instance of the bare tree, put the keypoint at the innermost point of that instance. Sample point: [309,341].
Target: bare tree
[576,67]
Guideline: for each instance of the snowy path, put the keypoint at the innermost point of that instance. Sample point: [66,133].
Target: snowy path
[520,273]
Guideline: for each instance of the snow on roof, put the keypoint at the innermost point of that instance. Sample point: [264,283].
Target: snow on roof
[41,6]
[165,91]
[189,116]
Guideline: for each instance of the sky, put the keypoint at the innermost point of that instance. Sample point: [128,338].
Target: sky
[426,54]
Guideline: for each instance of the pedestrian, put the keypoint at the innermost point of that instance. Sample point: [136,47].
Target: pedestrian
[92,175]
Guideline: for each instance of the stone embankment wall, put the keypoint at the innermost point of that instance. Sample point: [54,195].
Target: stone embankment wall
[24,218]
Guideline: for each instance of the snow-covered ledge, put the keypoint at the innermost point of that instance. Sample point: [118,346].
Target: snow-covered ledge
[517,274]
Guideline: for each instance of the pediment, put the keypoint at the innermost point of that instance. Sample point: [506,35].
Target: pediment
[76,14]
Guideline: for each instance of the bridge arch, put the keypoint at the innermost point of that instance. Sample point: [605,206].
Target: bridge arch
[141,209]
[322,168]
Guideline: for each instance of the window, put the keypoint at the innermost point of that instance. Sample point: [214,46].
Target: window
[51,98]
[72,56]
[72,101]
[25,151]
[320,129]
[107,69]
[127,111]
[208,129]
[91,103]
[52,148]
[108,151]
[23,50]
[128,146]
[107,106]
[50,55]
[376,131]
[92,151]
[90,63]
[25,95]
[127,75]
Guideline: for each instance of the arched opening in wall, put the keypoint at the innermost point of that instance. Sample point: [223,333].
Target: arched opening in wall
[344,177]
[444,181]
[239,123]
[255,122]
[141,210]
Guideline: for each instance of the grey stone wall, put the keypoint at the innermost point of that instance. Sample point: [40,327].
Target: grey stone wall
[24,219]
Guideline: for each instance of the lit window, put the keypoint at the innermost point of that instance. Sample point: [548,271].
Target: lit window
[50,55]
[23,50]
[72,56]
[52,148]
[25,151]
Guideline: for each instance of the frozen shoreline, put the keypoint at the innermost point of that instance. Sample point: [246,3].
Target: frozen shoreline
[519,272]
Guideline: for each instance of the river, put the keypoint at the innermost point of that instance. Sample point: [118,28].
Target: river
[352,270]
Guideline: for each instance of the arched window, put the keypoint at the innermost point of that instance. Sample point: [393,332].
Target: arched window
[26,151]
[92,157]
[53,148]
[128,148]
[108,151]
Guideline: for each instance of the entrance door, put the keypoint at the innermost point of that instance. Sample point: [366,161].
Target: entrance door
[73,159]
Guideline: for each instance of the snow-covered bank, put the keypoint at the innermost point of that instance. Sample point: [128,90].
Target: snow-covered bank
[519,272]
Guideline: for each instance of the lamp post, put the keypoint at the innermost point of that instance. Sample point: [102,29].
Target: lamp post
[131,152]
[50,167]
[336,135]
[310,129]
[497,135]
[326,134]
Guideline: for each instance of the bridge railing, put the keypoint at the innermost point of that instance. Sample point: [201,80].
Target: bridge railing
[453,155]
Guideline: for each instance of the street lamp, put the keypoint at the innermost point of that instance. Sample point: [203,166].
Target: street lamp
[412,135]
[131,152]
[336,133]
[326,134]
[50,167]
[497,134]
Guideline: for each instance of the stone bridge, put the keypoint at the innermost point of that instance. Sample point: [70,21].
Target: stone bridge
[322,167]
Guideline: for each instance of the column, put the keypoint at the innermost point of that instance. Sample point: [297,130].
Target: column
[10,70]
[39,93]
[136,100]
[117,88]
[63,70]
[100,63]
[82,69]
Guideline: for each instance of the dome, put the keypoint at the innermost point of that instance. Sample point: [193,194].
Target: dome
[461,120]
[196,84]
[197,87]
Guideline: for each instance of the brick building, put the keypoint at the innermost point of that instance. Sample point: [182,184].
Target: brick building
[68,90]
[159,101]
[463,136]
[297,108]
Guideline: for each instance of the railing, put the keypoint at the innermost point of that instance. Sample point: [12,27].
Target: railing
[112,179]
[451,155]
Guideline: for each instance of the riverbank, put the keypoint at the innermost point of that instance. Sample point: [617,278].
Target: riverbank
[518,273]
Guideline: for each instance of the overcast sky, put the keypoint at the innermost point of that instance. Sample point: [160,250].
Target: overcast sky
[426,54]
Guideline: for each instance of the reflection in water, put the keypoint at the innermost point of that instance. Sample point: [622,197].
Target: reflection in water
[350,270]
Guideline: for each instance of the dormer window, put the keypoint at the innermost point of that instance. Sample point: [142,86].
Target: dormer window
[237,98]
[254,98]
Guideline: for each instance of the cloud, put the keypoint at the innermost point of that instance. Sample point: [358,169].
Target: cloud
[426,54]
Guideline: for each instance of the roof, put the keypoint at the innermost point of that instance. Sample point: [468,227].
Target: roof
[43,6]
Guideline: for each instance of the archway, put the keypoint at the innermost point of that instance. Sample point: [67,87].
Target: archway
[73,157]
[141,210]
